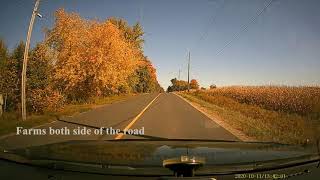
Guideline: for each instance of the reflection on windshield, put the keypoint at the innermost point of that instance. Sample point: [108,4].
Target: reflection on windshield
[152,153]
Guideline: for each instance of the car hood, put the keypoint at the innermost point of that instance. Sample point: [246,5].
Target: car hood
[152,153]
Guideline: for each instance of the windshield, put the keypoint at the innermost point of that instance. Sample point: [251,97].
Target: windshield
[242,73]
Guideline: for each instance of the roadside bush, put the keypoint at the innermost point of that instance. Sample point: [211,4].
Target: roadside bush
[213,86]
[41,100]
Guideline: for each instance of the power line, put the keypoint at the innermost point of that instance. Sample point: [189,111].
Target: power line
[211,22]
[244,27]
[189,71]
[203,35]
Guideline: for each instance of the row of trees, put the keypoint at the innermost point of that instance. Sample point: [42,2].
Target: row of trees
[10,74]
[79,59]
[180,85]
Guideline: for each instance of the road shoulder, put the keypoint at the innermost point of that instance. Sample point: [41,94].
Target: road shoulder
[217,119]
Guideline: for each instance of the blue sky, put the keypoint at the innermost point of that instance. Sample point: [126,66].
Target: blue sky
[280,47]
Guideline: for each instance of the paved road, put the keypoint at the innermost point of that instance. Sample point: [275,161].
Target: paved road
[167,116]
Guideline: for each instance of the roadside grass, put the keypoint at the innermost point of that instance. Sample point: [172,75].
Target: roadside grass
[10,120]
[255,121]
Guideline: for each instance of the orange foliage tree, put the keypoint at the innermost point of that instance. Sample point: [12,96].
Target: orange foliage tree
[194,84]
[93,58]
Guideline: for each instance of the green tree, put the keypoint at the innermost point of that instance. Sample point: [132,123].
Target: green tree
[41,94]
[132,34]
[17,56]
[3,71]
[144,78]
[3,53]
[39,67]
[10,76]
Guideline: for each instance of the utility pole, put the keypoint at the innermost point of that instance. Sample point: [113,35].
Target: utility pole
[25,60]
[189,71]
[179,74]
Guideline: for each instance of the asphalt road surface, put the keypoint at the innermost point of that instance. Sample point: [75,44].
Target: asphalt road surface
[162,115]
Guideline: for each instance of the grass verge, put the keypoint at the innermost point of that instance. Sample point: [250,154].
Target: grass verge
[10,120]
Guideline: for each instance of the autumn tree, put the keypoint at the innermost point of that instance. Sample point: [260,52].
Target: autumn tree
[194,84]
[178,85]
[78,59]
[213,86]
[93,58]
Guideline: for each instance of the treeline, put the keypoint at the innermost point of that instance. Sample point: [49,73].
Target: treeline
[79,59]
[180,85]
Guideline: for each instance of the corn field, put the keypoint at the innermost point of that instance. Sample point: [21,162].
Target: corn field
[300,100]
